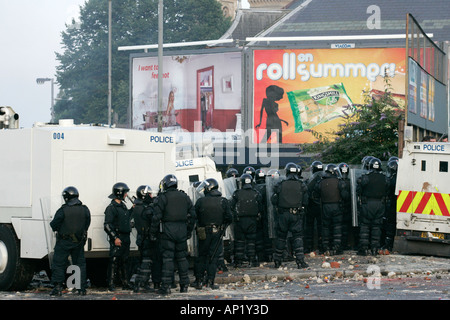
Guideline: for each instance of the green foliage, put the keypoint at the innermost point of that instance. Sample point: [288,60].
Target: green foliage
[82,73]
[370,129]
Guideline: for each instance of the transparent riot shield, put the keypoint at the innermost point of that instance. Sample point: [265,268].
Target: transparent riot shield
[355,174]
[229,187]
[271,181]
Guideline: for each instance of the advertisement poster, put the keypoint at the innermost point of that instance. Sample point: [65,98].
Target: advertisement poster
[201,92]
[296,91]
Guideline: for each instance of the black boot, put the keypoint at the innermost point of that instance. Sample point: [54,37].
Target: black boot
[57,290]
[183,288]
[164,290]
[197,284]
[301,264]
[212,285]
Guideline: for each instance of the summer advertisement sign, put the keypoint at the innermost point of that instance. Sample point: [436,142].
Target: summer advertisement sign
[296,91]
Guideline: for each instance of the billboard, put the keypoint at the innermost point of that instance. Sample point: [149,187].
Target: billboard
[299,90]
[201,91]
[427,99]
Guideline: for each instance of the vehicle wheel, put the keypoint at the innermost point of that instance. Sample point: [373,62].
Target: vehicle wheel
[15,273]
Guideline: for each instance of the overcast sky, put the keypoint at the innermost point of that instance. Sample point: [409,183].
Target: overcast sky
[30,34]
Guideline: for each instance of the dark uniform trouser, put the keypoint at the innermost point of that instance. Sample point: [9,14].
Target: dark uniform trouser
[173,244]
[157,263]
[289,222]
[204,262]
[312,215]
[390,224]
[63,249]
[118,257]
[146,249]
[346,225]
[331,226]
[245,234]
[371,220]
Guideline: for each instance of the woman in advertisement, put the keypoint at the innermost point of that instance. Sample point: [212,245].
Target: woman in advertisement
[273,122]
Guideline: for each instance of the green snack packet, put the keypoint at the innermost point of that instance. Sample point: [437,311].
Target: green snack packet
[311,107]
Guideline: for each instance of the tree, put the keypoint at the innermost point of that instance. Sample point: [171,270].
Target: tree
[370,129]
[82,73]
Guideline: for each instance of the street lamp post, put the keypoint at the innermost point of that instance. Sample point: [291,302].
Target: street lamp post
[42,81]
[160,62]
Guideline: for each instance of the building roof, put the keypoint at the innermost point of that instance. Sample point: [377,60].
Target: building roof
[250,22]
[355,17]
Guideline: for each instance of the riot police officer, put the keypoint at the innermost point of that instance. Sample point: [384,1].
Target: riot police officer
[213,216]
[331,190]
[346,206]
[232,172]
[290,197]
[246,206]
[71,222]
[390,221]
[249,170]
[372,190]
[313,218]
[173,222]
[264,245]
[117,226]
[141,213]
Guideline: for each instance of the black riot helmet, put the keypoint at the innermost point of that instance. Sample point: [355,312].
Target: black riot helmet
[393,158]
[119,190]
[69,194]
[316,166]
[249,170]
[291,170]
[144,192]
[274,173]
[332,169]
[366,162]
[392,166]
[208,185]
[344,168]
[169,181]
[260,176]
[375,164]
[246,180]
[232,172]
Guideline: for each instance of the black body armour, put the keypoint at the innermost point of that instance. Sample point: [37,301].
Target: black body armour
[329,190]
[176,207]
[247,205]
[210,211]
[74,220]
[291,194]
[140,223]
[376,187]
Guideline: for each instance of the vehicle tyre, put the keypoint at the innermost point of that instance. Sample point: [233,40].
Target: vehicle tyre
[15,273]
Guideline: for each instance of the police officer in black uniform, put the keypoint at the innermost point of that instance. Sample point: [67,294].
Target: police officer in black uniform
[173,222]
[246,206]
[372,190]
[141,213]
[331,190]
[390,221]
[347,228]
[71,222]
[313,218]
[232,172]
[264,244]
[290,197]
[213,216]
[117,226]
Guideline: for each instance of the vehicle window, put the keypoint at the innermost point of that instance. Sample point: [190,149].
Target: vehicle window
[443,166]
[424,165]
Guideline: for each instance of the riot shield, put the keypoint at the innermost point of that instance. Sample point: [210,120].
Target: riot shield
[229,187]
[355,174]
[271,181]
